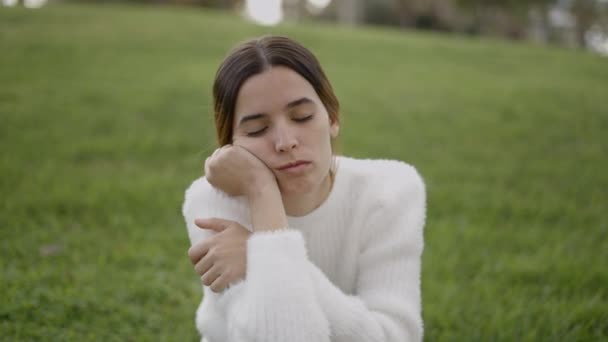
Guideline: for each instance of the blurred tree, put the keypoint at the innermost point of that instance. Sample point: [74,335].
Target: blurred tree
[433,14]
[228,4]
[407,11]
[586,12]
[222,4]
[381,12]
[349,11]
[506,17]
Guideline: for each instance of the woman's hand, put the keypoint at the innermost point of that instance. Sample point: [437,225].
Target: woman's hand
[221,259]
[236,171]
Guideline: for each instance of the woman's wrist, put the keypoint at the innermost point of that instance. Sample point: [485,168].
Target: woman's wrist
[260,188]
[266,208]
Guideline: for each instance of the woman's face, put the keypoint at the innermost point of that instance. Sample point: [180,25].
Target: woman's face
[280,119]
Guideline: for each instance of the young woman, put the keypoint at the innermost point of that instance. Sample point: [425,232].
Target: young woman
[293,243]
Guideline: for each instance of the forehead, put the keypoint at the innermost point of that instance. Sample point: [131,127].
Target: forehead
[271,91]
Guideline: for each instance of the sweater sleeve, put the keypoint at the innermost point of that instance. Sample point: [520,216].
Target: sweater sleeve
[387,302]
[277,302]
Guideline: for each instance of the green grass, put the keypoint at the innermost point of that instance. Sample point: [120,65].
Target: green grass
[105,120]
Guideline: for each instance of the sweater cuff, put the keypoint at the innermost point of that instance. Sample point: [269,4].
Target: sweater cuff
[283,242]
[272,255]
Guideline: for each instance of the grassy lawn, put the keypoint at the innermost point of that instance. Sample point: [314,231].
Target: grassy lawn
[105,120]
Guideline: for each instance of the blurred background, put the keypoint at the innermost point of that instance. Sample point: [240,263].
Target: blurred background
[570,23]
[106,118]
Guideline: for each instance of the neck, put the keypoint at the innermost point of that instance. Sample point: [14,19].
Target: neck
[302,204]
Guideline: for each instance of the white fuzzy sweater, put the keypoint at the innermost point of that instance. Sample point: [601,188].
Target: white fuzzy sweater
[348,271]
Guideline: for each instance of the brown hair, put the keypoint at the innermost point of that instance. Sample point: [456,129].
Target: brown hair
[255,56]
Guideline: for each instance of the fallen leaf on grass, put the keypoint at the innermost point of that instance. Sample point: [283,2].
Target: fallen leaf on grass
[50,250]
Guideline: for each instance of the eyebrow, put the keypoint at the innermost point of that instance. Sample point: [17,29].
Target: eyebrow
[250,117]
[290,105]
[298,102]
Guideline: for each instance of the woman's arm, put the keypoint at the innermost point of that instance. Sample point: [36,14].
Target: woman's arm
[278,301]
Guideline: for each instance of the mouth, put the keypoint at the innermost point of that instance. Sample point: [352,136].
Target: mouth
[293,165]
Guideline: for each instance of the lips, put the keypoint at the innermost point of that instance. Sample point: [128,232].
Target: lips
[292,165]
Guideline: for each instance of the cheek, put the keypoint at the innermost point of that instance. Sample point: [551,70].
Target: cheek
[319,131]
[323,136]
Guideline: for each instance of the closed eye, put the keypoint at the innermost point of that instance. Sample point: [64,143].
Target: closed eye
[306,118]
[258,132]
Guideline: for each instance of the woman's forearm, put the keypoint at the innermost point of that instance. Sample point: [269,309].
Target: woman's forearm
[266,208]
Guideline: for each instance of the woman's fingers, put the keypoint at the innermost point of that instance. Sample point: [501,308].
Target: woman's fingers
[203,266]
[217,150]
[206,166]
[212,157]
[221,150]
[212,160]
[196,252]
[219,284]
[213,223]
[210,276]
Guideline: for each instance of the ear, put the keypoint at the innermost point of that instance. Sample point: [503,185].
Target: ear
[334,129]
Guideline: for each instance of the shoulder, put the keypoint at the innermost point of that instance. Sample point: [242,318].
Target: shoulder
[383,179]
[390,200]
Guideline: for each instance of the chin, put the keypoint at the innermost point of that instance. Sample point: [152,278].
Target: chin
[300,185]
[294,188]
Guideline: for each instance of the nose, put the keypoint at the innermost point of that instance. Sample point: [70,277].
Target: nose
[285,140]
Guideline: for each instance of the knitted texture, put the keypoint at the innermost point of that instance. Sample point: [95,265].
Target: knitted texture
[348,271]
